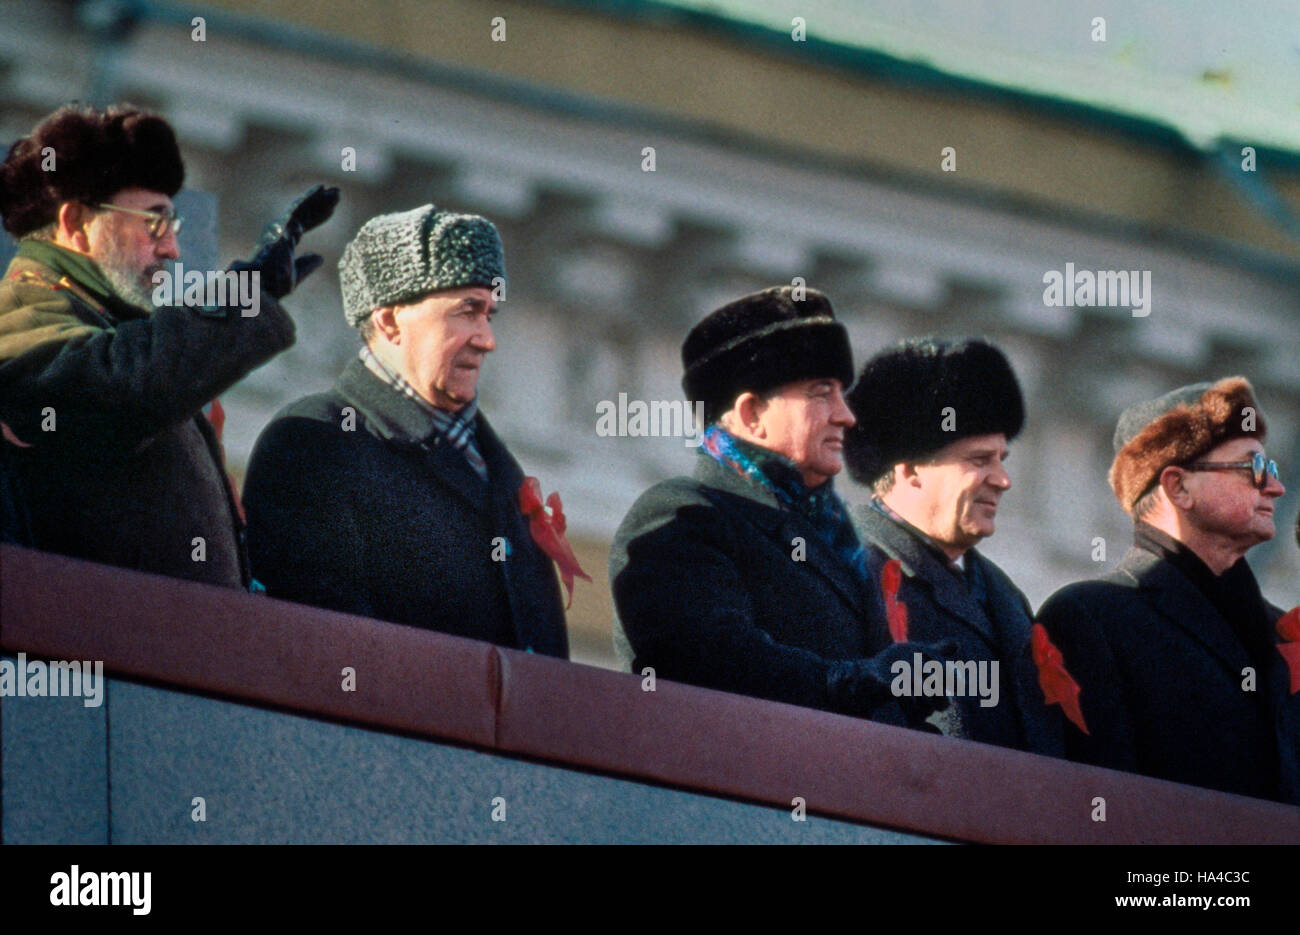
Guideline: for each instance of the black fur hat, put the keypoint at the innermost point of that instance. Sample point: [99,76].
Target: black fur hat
[902,392]
[82,154]
[760,342]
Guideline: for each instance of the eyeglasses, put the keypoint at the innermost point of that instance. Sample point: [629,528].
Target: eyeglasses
[1260,467]
[160,222]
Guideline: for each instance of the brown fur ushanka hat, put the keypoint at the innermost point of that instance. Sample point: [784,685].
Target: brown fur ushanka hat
[1179,427]
[83,154]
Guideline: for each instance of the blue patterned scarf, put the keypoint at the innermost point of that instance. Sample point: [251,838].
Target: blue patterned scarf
[777,473]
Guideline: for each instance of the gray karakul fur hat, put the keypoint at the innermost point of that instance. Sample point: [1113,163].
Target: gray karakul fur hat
[402,257]
[902,393]
[1179,427]
[760,342]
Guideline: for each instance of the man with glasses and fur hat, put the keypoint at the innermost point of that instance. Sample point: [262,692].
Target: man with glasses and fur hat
[101,393]
[1183,673]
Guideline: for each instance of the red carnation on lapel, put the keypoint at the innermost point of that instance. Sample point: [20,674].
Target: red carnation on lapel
[1289,629]
[1059,687]
[547,530]
[891,579]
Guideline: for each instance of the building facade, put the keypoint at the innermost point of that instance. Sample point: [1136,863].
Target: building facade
[636,191]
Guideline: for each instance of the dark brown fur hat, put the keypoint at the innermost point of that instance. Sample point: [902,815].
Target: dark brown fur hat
[760,342]
[1179,427]
[95,154]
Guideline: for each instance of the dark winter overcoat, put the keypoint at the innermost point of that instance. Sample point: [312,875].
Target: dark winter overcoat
[940,606]
[356,503]
[1162,676]
[123,467]
[714,584]
[13,508]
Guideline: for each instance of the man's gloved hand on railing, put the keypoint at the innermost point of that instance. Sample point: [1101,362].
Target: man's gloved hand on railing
[860,686]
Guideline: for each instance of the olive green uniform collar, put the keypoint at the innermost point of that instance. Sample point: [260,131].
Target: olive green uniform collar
[78,267]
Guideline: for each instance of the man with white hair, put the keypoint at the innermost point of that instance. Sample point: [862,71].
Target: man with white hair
[390,495]
[748,576]
[1182,669]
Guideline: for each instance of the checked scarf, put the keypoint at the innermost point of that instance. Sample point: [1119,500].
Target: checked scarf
[774,472]
[456,427]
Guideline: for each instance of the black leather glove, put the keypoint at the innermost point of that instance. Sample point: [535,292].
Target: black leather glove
[860,686]
[280,270]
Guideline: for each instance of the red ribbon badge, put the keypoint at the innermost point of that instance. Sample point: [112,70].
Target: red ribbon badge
[547,530]
[1059,687]
[216,416]
[891,578]
[11,438]
[1289,629]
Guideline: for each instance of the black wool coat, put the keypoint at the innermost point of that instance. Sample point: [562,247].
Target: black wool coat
[1161,673]
[14,526]
[940,607]
[707,591]
[356,503]
[123,466]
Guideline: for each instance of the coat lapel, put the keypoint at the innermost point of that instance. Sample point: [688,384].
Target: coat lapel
[925,570]
[762,510]
[505,476]
[1178,601]
[404,424]
[503,470]
[848,581]
[1042,727]
[1005,627]
[450,467]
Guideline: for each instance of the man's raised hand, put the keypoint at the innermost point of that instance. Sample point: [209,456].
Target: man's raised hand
[280,270]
